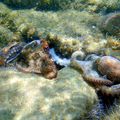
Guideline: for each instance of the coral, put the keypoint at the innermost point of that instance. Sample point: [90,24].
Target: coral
[105,5]
[20,3]
[112,47]
[22,29]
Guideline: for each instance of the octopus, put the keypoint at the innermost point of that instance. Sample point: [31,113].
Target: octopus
[37,60]
[30,57]
[103,74]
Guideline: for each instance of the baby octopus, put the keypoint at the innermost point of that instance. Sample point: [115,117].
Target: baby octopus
[37,60]
[103,74]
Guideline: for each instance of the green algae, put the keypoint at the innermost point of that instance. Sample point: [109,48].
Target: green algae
[82,26]
[90,5]
[5,36]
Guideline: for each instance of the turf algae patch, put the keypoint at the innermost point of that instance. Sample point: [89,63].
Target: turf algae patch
[89,5]
[28,96]
[114,114]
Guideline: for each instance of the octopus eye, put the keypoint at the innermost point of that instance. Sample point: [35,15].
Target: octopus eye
[46,48]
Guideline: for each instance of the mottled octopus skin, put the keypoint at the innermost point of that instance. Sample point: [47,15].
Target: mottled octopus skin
[48,71]
[107,87]
[110,67]
[97,81]
[37,61]
[113,91]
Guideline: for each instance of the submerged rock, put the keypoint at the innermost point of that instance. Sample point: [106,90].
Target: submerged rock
[29,97]
[111,24]
[114,115]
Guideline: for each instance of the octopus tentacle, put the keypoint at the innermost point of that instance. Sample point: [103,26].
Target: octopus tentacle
[24,69]
[76,54]
[113,91]
[75,63]
[97,82]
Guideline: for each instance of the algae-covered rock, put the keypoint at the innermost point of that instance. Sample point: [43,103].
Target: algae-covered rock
[65,46]
[114,115]
[93,45]
[89,5]
[46,4]
[20,25]
[72,27]
[20,3]
[8,31]
[111,24]
[112,47]
[105,5]
[5,36]
[28,96]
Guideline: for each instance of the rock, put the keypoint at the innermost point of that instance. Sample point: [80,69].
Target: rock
[111,24]
[114,114]
[28,96]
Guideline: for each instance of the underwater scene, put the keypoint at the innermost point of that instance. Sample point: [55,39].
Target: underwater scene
[59,59]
